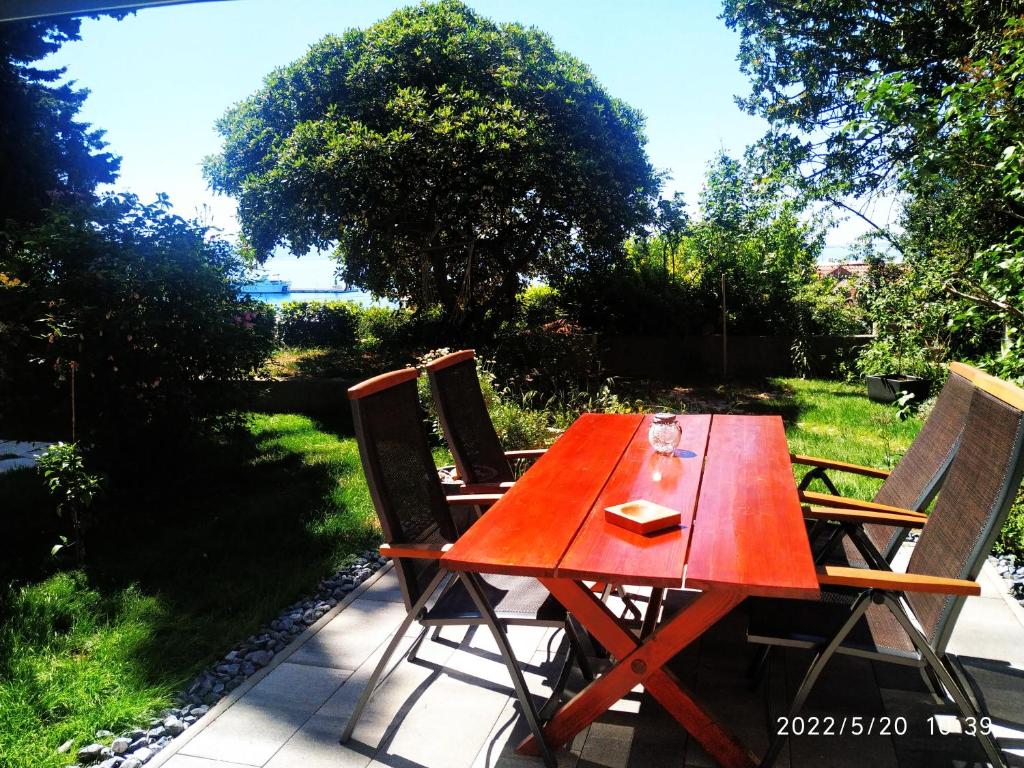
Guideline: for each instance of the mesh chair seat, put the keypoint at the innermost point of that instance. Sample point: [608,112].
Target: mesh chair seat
[810,624]
[514,599]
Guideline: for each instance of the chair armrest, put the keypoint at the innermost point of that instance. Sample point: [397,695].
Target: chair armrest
[863,516]
[839,576]
[486,487]
[845,502]
[839,466]
[473,499]
[413,550]
[532,453]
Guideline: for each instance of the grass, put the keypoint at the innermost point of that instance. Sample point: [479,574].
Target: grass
[184,566]
[837,421]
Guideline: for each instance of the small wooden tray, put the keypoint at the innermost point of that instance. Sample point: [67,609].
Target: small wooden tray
[641,516]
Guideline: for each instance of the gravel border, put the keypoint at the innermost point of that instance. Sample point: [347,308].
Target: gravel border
[225,681]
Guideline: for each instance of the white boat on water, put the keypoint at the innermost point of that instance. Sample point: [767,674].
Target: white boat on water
[264,284]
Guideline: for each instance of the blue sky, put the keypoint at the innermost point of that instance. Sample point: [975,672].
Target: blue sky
[159,80]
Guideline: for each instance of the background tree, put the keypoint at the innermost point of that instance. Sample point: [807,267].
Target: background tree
[920,99]
[46,155]
[447,158]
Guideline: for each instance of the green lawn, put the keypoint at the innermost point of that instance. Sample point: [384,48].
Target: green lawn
[834,420]
[178,573]
[194,560]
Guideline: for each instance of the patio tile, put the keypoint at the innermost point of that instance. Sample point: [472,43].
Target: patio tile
[315,745]
[992,584]
[498,746]
[986,630]
[297,686]
[187,761]
[257,725]
[397,693]
[247,733]
[846,688]
[920,747]
[385,589]
[353,635]
[450,721]
[720,684]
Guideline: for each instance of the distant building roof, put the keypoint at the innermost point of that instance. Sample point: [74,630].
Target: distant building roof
[843,271]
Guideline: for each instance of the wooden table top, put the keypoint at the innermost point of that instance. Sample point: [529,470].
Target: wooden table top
[731,480]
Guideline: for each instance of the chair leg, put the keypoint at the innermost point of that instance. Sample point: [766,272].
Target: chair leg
[811,677]
[653,613]
[818,473]
[411,655]
[472,582]
[958,694]
[576,648]
[388,653]
[759,666]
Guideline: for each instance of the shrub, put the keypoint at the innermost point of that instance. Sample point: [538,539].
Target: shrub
[318,323]
[539,305]
[67,480]
[136,312]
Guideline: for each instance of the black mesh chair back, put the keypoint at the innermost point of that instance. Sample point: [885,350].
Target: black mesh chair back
[467,426]
[974,502]
[915,480]
[400,471]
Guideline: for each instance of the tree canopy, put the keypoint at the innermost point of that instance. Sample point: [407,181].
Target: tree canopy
[46,155]
[920,98]
[446,158]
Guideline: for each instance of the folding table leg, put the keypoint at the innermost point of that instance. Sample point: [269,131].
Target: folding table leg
[641,663]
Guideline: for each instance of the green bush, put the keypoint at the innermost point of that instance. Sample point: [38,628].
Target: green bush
[539,304]
[518,427]
[135,308]
[318,323]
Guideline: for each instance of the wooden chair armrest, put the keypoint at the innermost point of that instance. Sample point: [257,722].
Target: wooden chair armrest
[839,466]
[863,516]
[840,576]
[486,487]
[845,502]
[473,499]
[532,453]
[413,550]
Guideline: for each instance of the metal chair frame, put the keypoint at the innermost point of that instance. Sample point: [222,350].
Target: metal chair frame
[417,596]
[931,655]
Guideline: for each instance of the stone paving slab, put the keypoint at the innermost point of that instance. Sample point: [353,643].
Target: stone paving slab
[454,708]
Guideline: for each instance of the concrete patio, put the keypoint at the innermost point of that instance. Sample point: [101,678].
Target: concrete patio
[454,706]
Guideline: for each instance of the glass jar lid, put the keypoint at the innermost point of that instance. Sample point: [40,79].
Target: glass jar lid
[664,418]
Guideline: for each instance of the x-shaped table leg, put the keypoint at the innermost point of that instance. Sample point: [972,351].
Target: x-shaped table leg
[642,662]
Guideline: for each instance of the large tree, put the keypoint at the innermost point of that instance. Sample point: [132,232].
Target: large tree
[924,98]
[447,158]
[46,155]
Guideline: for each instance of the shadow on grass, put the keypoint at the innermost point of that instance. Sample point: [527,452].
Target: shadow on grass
[223,536]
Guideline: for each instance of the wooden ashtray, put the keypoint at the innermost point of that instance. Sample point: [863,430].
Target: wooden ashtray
[642,516]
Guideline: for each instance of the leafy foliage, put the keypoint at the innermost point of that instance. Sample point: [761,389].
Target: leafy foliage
[447,157]
[46,155]
[748,233]
[316,323]
[134,307]
[920,98]
[63,467]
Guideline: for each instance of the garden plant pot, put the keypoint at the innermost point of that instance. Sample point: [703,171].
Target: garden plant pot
[888,388]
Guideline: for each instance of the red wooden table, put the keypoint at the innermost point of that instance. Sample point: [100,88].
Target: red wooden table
[742,534]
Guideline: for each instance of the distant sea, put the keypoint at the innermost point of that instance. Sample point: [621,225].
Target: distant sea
[362,298]
[314,270]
